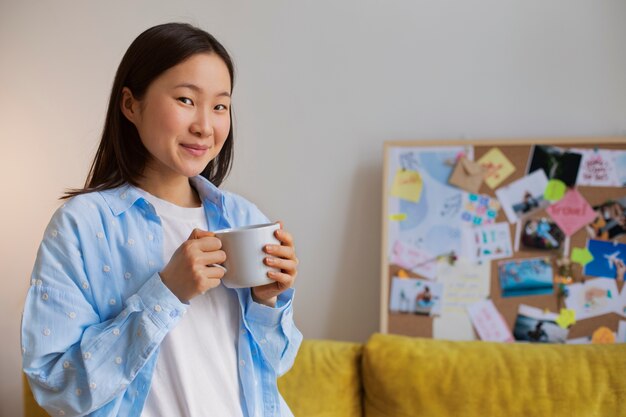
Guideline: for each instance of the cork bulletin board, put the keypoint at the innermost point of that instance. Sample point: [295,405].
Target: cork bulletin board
[401,155]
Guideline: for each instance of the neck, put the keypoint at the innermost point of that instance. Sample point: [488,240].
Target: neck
[175,190]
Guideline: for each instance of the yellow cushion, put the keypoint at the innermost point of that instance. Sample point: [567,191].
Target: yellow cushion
[325,380]
[31,408]
[422,377]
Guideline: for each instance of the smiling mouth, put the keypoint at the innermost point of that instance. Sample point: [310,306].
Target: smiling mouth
[196,150]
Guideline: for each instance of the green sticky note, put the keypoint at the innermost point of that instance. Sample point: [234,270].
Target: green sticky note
[555,190]
[566,318]
[581,256]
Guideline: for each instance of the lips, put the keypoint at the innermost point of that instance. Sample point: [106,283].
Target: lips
[194,149]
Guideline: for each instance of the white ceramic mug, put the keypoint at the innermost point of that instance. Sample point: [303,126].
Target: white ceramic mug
[244,254]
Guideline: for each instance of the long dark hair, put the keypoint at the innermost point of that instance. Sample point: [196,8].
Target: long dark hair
[121,156]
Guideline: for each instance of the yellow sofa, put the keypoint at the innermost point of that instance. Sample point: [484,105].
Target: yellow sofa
[396,376]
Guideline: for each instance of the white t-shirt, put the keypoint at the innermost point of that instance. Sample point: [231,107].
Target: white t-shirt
[196,372]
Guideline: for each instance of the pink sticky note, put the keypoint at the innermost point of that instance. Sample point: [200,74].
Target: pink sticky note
[572,212]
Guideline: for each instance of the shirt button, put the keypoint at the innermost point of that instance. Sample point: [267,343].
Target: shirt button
[100,235]
[44,296]
[150,263]
[106,268]
[157,308]
[85,285]
[54,233]
[112,301]
[116,332]
[118,360]
[78,391]
[61,412]
[174,313]
[150,237]
[87,355]
[123,195]
[39,282]
[127,275]
[131,242]
[71,315]
[46,332]
[33,281]
[93,385]
[66,364]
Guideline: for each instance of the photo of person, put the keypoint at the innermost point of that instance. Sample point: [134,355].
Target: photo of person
[525,196]
[536,326]
[415,296]
[611,220]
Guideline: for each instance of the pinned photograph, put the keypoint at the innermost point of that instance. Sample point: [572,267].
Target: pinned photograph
[557,163]
[610,220]
[524,196]
[592,298]
[609,259]
[535,326]
[415,296]
[522,277]
[542,234]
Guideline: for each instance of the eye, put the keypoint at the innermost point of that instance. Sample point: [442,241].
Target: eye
[221,107]
[185,100]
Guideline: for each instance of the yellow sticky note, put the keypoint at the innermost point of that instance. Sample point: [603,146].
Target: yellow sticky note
[499,167]
[581,256]
[555,190]
[566,318]
[603,335]
[397,217]
[407,185]
[402,274]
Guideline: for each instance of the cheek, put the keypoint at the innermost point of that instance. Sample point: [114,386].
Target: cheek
[222,127]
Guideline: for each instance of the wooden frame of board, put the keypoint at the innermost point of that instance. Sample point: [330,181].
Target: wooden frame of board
[517,150]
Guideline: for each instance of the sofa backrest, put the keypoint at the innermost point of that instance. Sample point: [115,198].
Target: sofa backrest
[325,380]
[405,376]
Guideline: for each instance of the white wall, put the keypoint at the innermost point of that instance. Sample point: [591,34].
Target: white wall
[321,84]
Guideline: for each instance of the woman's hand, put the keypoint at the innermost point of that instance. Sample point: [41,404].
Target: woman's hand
[193,269]
[282,257]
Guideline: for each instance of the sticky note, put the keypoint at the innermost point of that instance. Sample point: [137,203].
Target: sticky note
[407,185]
[603,335]
[581,256]
[397,217]
[498,167]
[566,318]
[555,190]
[402,274]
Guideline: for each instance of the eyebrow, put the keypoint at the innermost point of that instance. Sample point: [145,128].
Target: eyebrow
[199,90]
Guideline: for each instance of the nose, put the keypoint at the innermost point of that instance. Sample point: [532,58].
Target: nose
[202,126]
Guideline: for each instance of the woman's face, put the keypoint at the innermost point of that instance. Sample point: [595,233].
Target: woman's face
[184,118]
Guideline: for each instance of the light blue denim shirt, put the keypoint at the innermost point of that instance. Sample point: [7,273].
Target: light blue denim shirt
[97,310]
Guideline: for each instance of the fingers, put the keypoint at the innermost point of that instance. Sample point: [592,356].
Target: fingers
[199,233]
[283,236]
[283,264]
[283,280]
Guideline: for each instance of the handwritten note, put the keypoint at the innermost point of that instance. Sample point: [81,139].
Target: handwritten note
[597,168]
[407,184]
[414,259]
[499,167]
[479,209]
[489,323]
[572,212]
[464,283]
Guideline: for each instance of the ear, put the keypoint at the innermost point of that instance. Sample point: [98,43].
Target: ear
[129,105]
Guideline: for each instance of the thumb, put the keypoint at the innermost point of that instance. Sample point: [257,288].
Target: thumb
[199,234]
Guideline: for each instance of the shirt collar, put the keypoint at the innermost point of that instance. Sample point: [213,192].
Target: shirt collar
[122,198]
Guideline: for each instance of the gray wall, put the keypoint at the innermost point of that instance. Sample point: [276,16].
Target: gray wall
[321,84]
